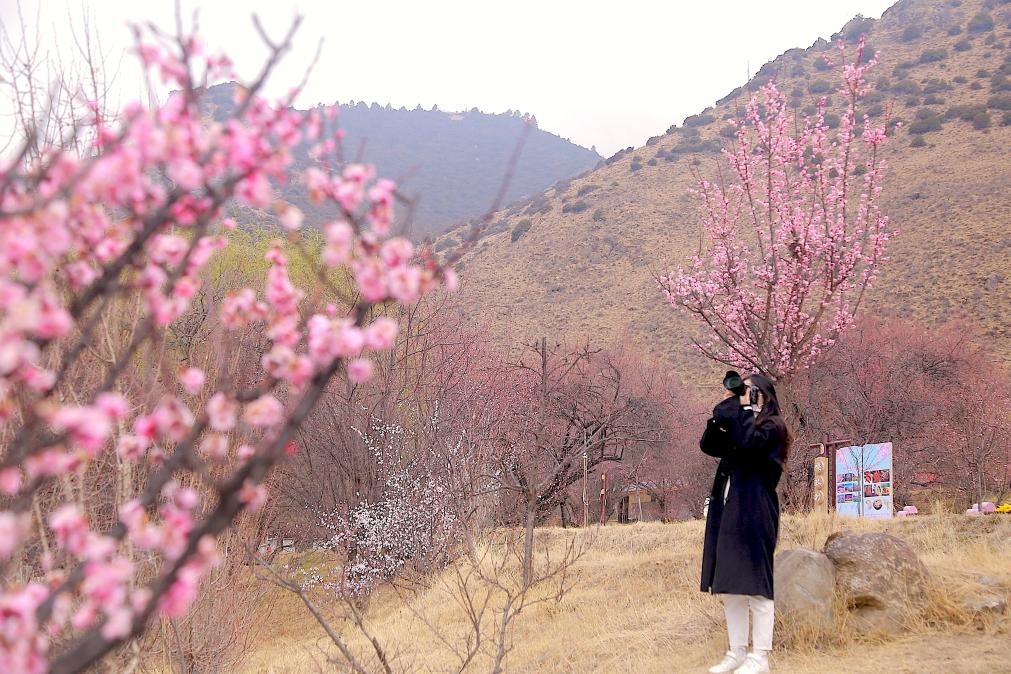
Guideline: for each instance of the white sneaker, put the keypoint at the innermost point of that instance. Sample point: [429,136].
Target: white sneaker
[754,664]
[731,661]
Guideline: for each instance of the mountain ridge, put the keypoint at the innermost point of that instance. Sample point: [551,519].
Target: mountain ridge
[450,163]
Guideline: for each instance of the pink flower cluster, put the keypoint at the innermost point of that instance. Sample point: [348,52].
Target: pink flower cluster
[794,238]
[141,217]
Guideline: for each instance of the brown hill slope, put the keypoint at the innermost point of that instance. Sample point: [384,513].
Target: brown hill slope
[576,261]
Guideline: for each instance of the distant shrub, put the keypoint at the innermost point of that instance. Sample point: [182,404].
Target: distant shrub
[580,206]
[820,64]
[586,189]
[860,169]
[961,79]
[925,113]
[936,86]
[652,162]
[697,145]
[729,131]
[999,83]
[913,102]
[872,97]
[983,73]
[653,140]
[696,121]
[980,23]
[883,84]
[955,30]
[933,55]
[1005,119]
[922,126]
[918,141]
[635,166]
[975,86]
[521,228]
[991,40]
[538,206]
[964,112]
[857,28]
[797,92]
[729,97]
[598,215]
[981,121]
[963,45]
[932,99]
[875,110]
[955,3]
[1000,102]
[758,81]
[832,120]
[809,110]
[820,87]
[912,32]
[797,70]
[908,87]
[900,72]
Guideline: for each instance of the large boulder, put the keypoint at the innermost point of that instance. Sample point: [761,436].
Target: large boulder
[879,577]
[805,588]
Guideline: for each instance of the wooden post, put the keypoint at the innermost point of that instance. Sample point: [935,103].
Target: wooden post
[821,484]
[586,495]
[603,498]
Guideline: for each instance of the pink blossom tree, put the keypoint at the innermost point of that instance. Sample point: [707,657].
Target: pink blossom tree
[794,234]
[137,217]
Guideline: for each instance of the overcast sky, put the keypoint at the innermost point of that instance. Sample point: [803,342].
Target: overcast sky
[599,72]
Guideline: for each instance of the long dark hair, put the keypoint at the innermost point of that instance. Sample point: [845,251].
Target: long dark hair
[771,410]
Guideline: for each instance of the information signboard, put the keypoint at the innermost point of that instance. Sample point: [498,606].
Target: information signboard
[864,480]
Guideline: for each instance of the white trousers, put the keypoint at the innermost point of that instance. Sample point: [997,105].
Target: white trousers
[736,607]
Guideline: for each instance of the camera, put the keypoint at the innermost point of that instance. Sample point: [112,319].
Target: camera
[753,395]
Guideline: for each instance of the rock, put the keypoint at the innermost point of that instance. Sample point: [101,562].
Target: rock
[990,581]
[805,587]
[987,603]
[879,577]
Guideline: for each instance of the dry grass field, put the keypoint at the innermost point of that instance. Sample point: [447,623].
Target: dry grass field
[584,266]
[634,607]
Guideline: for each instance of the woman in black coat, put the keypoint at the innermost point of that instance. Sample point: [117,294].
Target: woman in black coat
[748,435]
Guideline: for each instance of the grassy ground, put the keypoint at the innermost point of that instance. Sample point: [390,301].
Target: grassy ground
[634,607]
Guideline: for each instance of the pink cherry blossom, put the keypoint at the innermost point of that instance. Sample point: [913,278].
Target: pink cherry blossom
[222,412]
[360,370]
[214,445]
[10,480]
[12,528]
[88,427]
[381,334]
[113,405]
[192,380]
[253,495]
[70,528]
[396,252]
[405,284]
[265,411]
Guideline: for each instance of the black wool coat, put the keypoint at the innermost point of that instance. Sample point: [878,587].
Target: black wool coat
[741,533]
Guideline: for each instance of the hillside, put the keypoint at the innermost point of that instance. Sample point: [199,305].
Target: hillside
[576,261]
[454,161]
